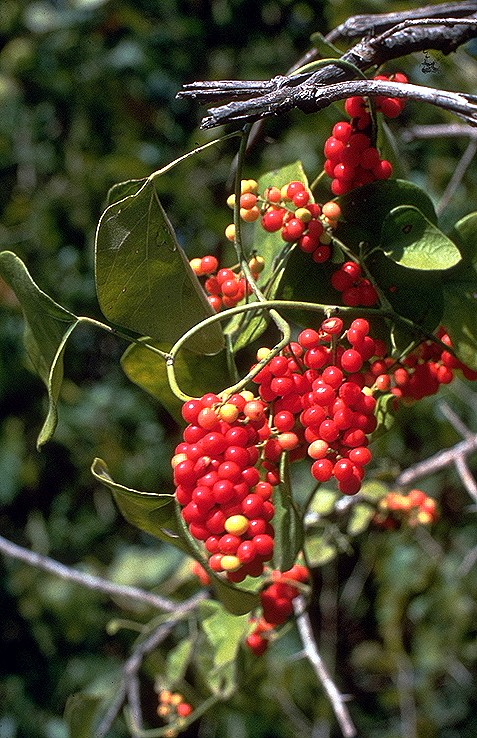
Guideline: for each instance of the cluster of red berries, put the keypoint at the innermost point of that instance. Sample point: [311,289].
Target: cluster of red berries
[277,605]
[290,210]
[351,159]
[171,708]
[224,481]
[224,287]
[415,508]
[422,372]
[354,287]
[320,407]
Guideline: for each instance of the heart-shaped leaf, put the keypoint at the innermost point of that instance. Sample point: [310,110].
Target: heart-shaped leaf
[48,327]
[143,277]
[411,240]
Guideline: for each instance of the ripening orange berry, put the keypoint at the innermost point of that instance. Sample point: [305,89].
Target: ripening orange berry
[230,232]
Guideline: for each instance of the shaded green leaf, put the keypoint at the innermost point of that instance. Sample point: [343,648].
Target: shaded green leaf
[460,290]
[177,662]
[143,277]
[365,208]
[81,714]
[385,413]
[196,374]
[48,327]
[287,521]
[123,189]
[151,512]
[411,240]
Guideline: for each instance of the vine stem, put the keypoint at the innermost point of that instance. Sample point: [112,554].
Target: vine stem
[311,650]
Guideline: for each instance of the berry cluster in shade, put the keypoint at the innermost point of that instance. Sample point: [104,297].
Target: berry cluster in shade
[224,482]
[320,406]
[356,289]
[172,706]
[351,158]
[277,605]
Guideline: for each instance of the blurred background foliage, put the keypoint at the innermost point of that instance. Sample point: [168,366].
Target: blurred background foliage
[87,99]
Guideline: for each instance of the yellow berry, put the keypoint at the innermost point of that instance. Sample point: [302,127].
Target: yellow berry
[238,525]
[230,232]
[231,200]
[256,264]
[196,266]
[283,192]
[303,214]
[248,185]
[231,563]
[263,353]
[331,210]
[247,395]
[228,412]
[163,710]
[177,458]
[250,215]
[177,698]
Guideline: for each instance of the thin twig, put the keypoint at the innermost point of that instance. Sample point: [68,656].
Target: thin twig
[438,130]
[458,175]
[437,462]
[99,584]
[337,700]
[451,415]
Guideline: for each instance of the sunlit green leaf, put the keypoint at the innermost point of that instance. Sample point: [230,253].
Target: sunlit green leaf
[319,551]
[143,277]
[361,516]
[196,374]
[411,240]
[48,327]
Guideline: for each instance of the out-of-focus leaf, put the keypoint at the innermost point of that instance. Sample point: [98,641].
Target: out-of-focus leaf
[411,240]
[143,277]
[319,551]
[81,714]
[325,48]
[361,516]
[48,327]
[178,660]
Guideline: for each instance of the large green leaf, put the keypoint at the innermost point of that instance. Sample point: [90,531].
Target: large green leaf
[195,374]
[143,277]
[365,209]
[411,240]
[48,327]
[287,522]
[460,290]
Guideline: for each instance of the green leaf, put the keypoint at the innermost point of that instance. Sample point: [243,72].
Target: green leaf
[361,516]
[319,551]
[460,290]
[365,209]
[324,501]
[48,327]
[225,633]
[411,240]
[325,48]
[81,714]
[123,189]
[177,662]
[287,521]
[143,277]
[413,294]
[195,374]
[385,413]
[151,512]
